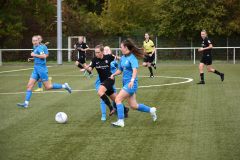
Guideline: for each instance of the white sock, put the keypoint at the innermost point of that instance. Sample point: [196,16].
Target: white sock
[26,102]
[121,120]
[63,86]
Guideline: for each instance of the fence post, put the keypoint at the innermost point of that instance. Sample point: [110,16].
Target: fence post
[191,48]
[156,42]
[194,56]
[0,57]
[69,50]
[227,51]
[234,54]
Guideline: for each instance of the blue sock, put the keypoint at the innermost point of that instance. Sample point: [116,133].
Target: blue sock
[143,108]
[56,86]
[120,111]
[39,84]
[103,108]
[28,95]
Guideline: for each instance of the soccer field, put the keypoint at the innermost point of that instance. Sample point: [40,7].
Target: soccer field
[195,122]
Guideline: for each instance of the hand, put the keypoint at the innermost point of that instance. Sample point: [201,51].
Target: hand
[32,54]
[130,85]
[200,49]
[150,55]
[112,77]
[82,49]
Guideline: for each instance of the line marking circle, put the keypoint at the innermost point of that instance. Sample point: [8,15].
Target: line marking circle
[186,80]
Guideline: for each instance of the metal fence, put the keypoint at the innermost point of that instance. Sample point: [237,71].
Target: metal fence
[229,54]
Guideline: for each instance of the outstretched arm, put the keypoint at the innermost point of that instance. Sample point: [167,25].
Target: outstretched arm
[115,74]
[42,56]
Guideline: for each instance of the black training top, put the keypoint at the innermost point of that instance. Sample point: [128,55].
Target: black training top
[80,46]
[103,66]
[205,43]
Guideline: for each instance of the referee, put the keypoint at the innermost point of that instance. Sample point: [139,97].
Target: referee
[149,50]
[206,59]
[81,47]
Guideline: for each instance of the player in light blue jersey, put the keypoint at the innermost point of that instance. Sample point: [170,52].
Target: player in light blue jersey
[45,49]
[113,66]
[40,72]
[128,65]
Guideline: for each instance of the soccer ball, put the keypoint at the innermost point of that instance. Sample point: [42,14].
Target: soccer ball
[61,117]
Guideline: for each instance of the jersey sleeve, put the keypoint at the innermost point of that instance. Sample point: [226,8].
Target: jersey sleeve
[45,49]
[93,63]
[152,44]
[134,62]
[207,41]
[85,46]
[39,50]
[111,58]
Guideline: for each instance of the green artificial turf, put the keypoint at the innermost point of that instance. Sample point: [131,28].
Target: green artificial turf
[195,122]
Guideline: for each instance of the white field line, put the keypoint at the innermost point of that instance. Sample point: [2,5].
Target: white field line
[186,80]
[17,70]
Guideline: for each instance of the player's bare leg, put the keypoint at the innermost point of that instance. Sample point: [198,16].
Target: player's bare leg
[211,69]
[101,92]
[30,85]
[201,72]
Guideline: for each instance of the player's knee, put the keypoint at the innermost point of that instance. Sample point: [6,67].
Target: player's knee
[100,93]
[76,63]
[144,64]
[118,100]
[29,86]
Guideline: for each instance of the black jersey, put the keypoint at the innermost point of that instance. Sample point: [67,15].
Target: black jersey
[103,66]
[205,43]
[80,46]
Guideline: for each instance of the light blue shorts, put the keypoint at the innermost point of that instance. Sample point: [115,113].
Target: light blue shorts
[40,72]
[132,90]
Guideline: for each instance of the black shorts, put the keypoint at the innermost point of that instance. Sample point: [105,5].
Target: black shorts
[82,58]
[206,59]
[108,84]
[149,59]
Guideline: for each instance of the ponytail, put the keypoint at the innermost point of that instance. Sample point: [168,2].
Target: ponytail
[132,48]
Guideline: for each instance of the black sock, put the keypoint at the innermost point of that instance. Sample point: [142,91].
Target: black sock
[150,69]
[114,105]
[202,76]
[80,66]
[125,109]
[106,101]
[216,72]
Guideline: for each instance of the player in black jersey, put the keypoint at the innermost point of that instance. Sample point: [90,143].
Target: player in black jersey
[102,63]
[81,47]
[206,59]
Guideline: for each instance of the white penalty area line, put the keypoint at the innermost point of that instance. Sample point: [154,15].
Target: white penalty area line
[186,80]
[18,70]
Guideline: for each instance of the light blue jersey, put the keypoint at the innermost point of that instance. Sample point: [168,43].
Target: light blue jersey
[126,65]
[40,69]
[40,49]
[45,49]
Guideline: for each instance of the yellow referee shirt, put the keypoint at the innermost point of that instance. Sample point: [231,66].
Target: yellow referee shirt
[148,46]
